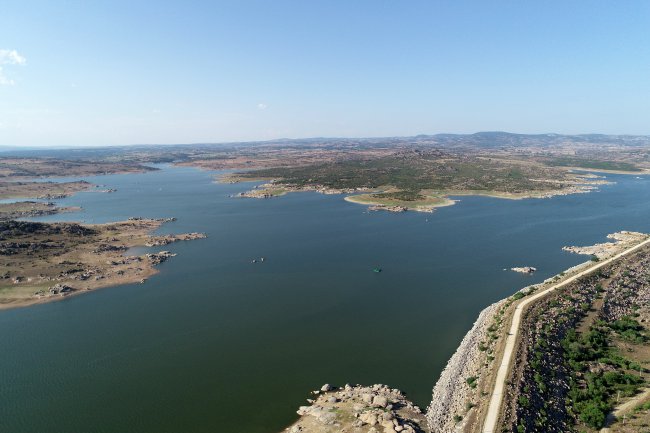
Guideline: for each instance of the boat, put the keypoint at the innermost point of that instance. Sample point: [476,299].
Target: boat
[377,270]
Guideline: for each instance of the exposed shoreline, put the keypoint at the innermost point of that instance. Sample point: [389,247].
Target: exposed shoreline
[30,209]
[428,204]
[72,259]
[429,201]
[640,172]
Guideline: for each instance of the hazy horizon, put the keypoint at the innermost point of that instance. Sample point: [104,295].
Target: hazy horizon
[4,147]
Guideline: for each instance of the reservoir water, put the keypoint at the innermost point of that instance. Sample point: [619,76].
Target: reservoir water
[215,343]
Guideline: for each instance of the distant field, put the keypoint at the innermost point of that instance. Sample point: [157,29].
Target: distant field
[594,164]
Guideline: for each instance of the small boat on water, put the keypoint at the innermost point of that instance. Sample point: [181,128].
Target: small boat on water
[377,270]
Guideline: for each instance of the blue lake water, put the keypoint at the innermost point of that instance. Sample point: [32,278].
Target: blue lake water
[216,343]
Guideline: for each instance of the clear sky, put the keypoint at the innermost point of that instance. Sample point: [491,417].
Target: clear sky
[113,72]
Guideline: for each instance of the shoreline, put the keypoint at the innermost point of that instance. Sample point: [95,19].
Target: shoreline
[428,204]
[641,172]
[431,199]
[473,369]
[73,259]
[379,204]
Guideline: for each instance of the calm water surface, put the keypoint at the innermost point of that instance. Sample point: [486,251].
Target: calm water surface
[215,343]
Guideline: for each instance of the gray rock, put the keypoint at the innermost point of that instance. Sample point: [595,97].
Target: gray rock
[379,401]
[327,418]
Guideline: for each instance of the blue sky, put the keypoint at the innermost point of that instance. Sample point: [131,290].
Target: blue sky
[105,73]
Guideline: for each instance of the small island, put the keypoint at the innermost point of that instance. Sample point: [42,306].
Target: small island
[524,269]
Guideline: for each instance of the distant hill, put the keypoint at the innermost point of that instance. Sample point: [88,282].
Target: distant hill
[485,139]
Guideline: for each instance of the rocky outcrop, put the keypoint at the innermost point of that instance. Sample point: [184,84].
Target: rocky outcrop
[162,220]
[158,258]
[622,241]
[60,289]
[102,248]
[156,241]
[387,208]
[524,270]
[368,409]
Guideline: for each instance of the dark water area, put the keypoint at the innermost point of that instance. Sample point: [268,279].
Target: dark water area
[215,343]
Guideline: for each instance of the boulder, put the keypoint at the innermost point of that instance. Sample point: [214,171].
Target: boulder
[380,401]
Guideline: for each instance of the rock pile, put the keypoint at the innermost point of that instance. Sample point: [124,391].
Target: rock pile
[357,409]
[158,258]
[60,289]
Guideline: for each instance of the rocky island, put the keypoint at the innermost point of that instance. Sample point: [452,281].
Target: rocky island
[524,269]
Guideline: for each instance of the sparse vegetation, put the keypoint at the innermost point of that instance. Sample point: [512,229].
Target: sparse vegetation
[593,164]
[592,384]
[416,174]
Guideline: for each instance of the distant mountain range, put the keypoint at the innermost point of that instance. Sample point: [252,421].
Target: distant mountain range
[486,139]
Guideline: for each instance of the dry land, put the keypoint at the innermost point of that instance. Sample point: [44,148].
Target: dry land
[42,262]
[41,190]
[422,180]
[26,209]
[26,168]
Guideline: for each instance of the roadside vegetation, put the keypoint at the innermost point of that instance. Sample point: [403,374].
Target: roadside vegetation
[584,352]
[599,373]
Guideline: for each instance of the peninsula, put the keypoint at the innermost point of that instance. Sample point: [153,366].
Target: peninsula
[43,262]
[46,261]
